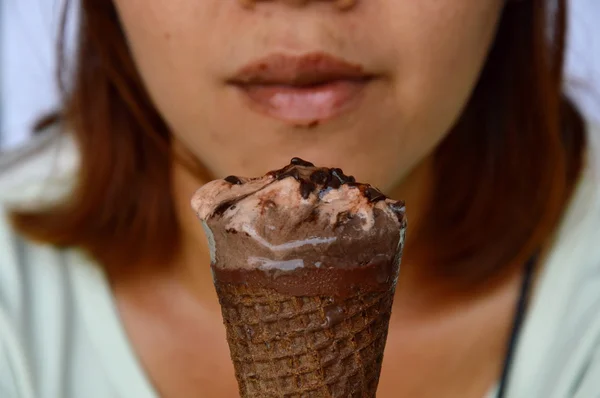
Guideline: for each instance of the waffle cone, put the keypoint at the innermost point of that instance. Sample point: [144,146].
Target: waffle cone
[317,347]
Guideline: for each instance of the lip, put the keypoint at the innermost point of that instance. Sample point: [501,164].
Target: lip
[302,90]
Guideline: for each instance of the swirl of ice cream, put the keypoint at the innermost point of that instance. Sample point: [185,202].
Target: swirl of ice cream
[298,216]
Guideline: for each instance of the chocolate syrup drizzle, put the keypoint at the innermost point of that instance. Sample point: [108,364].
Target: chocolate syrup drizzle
[318,181]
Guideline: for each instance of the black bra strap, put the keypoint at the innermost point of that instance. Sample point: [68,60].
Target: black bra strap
[519,317]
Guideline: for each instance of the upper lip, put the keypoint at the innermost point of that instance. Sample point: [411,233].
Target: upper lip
[298,70]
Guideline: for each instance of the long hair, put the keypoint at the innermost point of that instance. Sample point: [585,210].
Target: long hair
[503,174]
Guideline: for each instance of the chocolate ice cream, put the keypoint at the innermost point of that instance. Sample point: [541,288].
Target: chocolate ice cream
[313,252]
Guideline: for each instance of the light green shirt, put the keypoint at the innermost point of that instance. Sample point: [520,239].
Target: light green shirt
[61,337]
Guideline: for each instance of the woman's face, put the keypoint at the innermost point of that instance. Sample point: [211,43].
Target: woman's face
[369,86]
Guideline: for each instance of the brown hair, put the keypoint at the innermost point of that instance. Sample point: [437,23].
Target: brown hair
[504,173]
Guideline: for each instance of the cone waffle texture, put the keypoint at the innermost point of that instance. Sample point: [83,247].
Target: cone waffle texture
[297,347]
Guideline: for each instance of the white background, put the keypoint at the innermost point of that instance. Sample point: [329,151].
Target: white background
[28,33]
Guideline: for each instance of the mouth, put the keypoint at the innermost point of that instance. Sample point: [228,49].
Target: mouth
[302,90]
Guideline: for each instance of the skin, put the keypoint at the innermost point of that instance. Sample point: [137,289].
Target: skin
[427,56]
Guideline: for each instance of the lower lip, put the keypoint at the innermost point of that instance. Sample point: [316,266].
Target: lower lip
[304,105]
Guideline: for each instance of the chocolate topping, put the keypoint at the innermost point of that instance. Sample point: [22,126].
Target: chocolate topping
[302,221]
[320,177]
[339,174]
[373,194]
[300,162]
[306,188]
[233,180]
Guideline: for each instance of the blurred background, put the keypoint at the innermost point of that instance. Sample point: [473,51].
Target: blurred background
[29,31]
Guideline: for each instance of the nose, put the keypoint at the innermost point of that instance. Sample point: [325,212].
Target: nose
[341,4]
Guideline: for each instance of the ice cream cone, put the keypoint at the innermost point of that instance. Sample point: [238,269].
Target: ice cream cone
[306,284]
[288,346]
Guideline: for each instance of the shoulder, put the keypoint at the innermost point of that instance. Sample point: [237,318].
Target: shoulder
[33,290]
[30,177]
[30,275]
[21,296]
[559,348]
[577,344]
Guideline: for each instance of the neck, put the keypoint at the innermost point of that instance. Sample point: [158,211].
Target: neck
[192,263]
[416,190]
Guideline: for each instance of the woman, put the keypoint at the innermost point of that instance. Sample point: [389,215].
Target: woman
[454,106]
